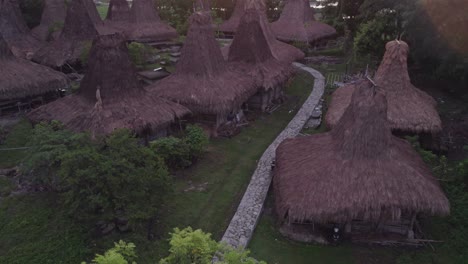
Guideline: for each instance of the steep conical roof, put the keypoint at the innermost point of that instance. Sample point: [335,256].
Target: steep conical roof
[82,25]
[119,11]
[297,23]
[20,78]
[409,109]
[230,25]
[53,17]
[110,96]
[14,29]
[359,170]
[214,86]
[147,25]
[254,50]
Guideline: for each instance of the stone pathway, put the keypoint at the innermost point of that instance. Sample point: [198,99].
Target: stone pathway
[243,224]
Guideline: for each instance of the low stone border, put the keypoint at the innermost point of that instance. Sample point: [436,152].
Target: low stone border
[242,226]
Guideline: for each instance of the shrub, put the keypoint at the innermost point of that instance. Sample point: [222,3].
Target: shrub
[196,139]
[121,253]
[139,52]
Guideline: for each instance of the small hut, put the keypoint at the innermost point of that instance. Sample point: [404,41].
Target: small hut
[22,81]
[410,110]
[358,177]
[253,52]
[147,26]
[110,97]
[297,24]
[282,51]
[52,20]
[82,25]
[203,81]
[229,27]
[15,31]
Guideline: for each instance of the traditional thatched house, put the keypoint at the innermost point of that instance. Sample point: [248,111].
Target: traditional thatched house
[358,176]
[253,52]
[82,25]
[15,31]
[21,81]
[409,109]
[297,24]
[229,27]
[203,81]
[147,26]
[282,51]
[52,20]
[110,97]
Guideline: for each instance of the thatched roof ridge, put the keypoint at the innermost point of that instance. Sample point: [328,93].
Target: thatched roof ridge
[359,170]
[203,81]
[110,96]
[15,31]
[254,50]
[20,78]
[53,15]
[82,25]
[409,109]
[119,11]
[146,23]
[297,23]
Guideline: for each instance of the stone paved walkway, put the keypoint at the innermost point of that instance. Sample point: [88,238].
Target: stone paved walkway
[243,223]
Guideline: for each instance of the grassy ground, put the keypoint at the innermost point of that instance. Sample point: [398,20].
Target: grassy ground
[17,138]
[102,10]
[35,229]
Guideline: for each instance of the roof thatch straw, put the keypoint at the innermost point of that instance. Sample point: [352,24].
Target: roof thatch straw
[147,25]
[359,170]
[119,11]
[253,51]
[52,20]
[110,96]
[203,81]
[282,51]
[297,23]
[15,31]
[21,78]
[82,25]
[409,109]
[230,26]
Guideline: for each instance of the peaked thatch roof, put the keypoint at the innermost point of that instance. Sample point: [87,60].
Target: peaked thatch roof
[147,25]
[253,51]
[15,31]
[230,26]
[118,11]
[82,25]
[409,109]
[359,170]
[297,23]
[53,18]
[282,51]
[110,96]
[20,78]
[203,81]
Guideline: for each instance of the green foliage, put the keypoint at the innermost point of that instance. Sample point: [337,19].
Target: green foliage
[121,253]
[84,56]
[176,13]
[179,153]
[139,52]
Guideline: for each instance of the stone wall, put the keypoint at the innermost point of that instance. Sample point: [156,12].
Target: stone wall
[243,224]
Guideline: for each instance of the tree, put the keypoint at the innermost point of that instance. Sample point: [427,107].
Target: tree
[121,253]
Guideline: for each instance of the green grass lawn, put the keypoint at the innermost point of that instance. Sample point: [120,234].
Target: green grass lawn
[36,229]
[16,138]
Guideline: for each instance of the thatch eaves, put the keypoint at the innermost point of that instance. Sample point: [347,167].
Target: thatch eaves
[297,23]
[203,81]
[358,170]
[409,109]
[110,96]
[21,78]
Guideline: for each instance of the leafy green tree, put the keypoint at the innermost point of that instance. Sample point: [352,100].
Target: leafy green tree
[121,253]
[196,139]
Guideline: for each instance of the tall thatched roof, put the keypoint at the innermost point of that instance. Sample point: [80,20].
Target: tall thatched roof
[297,23]
[53,18]
[20,78]
[409,109]
[15,31]
[82,25]
[119,10]
[147,25]
[282,51]
[203,81]
[110,96]
[253,51]
[230,26]
[359,170]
